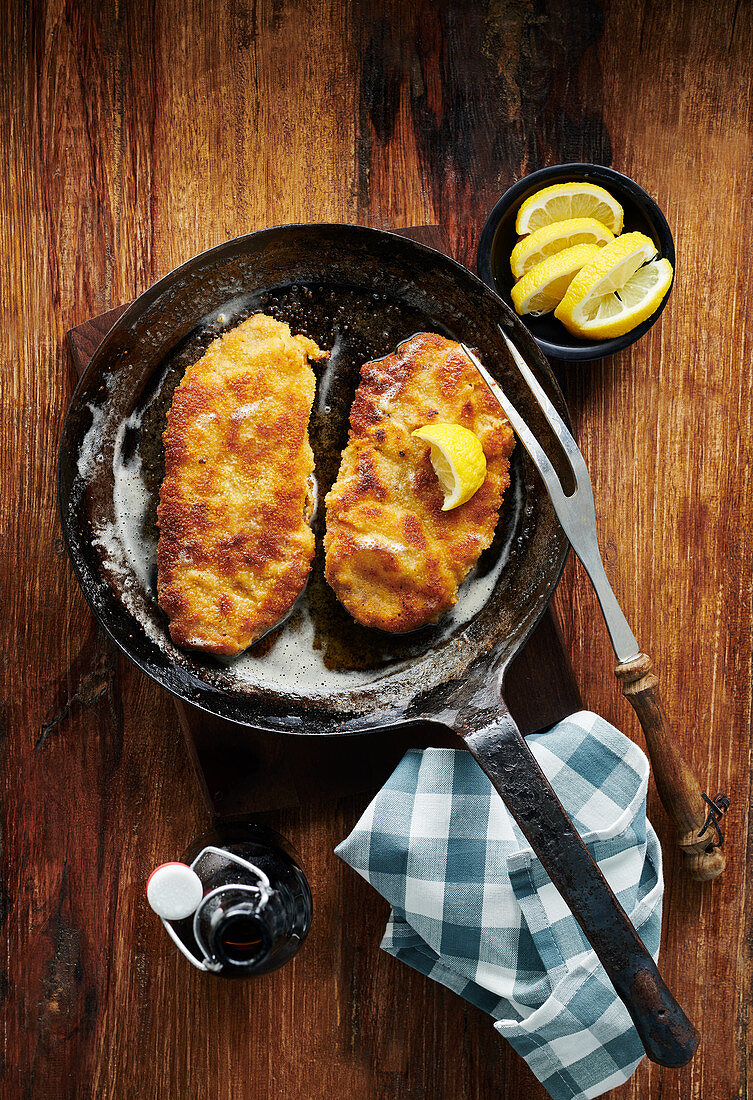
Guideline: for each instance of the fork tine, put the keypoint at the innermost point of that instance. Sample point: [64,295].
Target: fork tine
[576,513]
[572,451]
[538,455]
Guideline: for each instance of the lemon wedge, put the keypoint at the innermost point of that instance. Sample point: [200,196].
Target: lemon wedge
[622,286]
[458,460]
[558,236]
[569,200]
[544,286]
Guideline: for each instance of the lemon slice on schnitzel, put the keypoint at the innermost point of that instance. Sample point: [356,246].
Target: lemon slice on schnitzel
[558,236]
[458,460]
[569,200]
[622,286]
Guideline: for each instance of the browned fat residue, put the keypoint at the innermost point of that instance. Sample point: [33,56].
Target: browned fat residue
[225,604]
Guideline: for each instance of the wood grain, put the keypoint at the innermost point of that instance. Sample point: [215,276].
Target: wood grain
[134,135]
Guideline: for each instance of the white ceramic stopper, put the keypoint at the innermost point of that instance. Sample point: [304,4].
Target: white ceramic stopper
[174,891]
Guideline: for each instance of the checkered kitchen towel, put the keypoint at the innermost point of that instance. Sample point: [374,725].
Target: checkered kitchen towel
[473,908]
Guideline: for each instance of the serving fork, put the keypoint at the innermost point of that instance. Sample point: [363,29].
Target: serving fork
[691,811]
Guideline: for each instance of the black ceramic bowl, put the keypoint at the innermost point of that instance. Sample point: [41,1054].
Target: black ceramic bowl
[498,239]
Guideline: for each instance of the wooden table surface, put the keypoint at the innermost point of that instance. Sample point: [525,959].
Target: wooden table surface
[135,134]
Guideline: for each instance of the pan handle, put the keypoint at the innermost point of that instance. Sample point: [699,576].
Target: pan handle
[665,1031]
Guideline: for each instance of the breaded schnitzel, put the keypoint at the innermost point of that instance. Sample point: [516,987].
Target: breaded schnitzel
[393,557]
[235,547]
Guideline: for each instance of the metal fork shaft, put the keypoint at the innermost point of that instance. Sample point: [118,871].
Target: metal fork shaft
[678,787]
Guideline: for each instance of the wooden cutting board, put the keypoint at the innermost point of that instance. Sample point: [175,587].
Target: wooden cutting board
[244,771]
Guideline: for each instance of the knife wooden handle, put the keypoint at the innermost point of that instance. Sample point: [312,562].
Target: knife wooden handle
[675,779]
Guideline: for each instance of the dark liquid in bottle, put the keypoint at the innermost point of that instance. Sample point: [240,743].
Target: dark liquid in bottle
[251,919]
[242,940]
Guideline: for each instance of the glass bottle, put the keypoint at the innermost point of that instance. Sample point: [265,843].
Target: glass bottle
[238,904]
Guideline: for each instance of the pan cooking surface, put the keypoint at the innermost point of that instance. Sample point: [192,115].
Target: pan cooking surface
[319,647]
[358,293]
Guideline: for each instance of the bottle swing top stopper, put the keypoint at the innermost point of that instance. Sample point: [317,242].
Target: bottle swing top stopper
[174,891]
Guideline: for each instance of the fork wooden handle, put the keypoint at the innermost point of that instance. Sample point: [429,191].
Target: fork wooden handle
[675,779]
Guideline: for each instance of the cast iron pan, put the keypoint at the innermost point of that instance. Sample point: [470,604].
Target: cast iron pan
[359,292]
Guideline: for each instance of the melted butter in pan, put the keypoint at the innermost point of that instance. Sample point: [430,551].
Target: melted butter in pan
[318,648]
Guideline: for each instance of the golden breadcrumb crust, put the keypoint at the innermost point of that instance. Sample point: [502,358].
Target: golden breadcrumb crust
[393,557]
[235,547]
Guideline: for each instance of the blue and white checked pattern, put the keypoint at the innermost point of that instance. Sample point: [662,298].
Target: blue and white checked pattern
[473,908]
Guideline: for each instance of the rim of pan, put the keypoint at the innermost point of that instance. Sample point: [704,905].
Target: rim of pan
[318,716]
